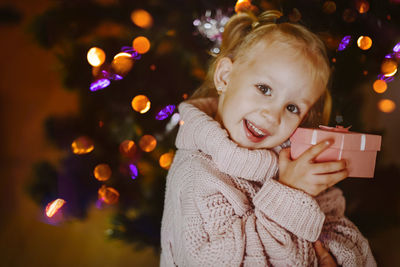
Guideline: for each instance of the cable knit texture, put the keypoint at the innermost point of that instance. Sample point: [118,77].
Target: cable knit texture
[223,206]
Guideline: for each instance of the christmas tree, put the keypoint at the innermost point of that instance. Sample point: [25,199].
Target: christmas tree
[133,62]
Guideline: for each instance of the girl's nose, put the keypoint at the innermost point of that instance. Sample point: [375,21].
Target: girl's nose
[272,116]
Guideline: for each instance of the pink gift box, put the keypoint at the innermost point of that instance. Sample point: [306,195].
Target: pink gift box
[357,148]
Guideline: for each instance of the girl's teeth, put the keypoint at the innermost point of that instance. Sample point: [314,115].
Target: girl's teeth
[258,131]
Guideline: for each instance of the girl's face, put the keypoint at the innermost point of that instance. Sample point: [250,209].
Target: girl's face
[265,95]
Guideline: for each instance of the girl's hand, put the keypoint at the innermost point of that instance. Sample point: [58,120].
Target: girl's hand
[325,259]
[306,175]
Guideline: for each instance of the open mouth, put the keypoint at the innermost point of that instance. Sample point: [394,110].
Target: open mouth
[254,133]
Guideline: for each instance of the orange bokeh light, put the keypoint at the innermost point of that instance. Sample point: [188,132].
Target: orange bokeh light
[147,143]
[102,172]
[82,145]
[141,103]
[54,206]
[389,67]
[364,42]
[362,6]
[96,56]
[166,160]
[380,86]
[386,105]
[108,195]
[127,148]
[142,18]
[141,44]
[243,5]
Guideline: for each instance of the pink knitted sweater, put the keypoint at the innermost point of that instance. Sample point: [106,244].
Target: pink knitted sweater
[223,206]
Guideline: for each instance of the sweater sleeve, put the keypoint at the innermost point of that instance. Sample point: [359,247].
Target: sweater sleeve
[340,235]
[221,227]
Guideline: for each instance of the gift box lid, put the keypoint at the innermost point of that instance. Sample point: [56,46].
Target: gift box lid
[343,138]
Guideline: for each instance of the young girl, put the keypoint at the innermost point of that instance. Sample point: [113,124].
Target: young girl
[226,203]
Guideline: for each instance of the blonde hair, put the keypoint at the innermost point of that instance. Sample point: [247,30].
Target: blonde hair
[243,30]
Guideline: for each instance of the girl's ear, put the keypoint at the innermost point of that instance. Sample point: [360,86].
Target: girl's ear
[222,73]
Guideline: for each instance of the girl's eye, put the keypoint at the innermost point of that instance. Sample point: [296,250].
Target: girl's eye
[293,109]
[264,89]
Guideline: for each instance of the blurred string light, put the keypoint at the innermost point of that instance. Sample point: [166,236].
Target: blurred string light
[53,207]
[142,18]
[141,103]
[364,42]
[102,172]
[165,112]
[133,171]
[166,160]
[141,44]
[122,63]
[386,105]
[82,145]
[344,43]
[108,195]
[147,143]
[212,27]
[96,56]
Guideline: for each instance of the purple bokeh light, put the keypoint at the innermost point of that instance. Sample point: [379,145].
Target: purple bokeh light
[99,84]
[396,48]
[165,112]
[133,171]
[344,43]
[128,49]
[111,76]
[386,79]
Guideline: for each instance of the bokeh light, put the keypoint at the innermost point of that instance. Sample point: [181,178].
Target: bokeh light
[349,15]
[379,86]
[108,195]
[141,103]
[133,171]
[396,48]
[362,6]
[99,84]
[165,112]
[82,145]
[147,143]
[96,56]
[54,206]
[386,105]
[141,44]
[122,63]
[102,172]
[127,148]
[242,6]
[364,42]
[166,160]
[389,67]
[344,43]
[142,18]
[329,7]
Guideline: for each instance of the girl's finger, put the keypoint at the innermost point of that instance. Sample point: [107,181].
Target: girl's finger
[328,167]
[315,150]
[337,177]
